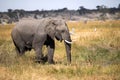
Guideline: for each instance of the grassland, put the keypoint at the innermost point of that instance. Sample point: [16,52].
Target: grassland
[95,55]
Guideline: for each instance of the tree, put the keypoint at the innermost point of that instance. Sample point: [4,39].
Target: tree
[65,9]
[98,7]
[82,10]
[10,13]
[10,10]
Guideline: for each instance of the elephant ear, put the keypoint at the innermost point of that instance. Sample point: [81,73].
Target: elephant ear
[51,28]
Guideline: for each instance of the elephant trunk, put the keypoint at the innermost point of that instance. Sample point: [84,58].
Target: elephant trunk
[67,43]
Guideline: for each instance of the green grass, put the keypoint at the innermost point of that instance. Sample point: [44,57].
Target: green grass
[95,55]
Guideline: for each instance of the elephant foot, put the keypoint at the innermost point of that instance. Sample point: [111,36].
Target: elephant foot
[44,60]
[40,60]
[20,54]
[51,62]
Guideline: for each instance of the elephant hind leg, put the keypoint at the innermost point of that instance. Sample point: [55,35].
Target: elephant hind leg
[16,47]
[20,48]
[18,42]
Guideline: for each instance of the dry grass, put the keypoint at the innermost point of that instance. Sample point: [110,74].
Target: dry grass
[95,55]
[97,31]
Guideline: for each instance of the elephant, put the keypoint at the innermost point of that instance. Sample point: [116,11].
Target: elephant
[33,34]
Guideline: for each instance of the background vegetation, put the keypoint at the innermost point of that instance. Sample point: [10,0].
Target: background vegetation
[102,12]
[95,55]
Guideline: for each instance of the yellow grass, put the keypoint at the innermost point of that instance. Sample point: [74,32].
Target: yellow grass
[96,30]
[5,31]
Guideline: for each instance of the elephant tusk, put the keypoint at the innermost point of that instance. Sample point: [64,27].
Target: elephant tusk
[68,42]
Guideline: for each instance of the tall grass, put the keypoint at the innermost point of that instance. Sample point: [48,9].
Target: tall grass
[95,55]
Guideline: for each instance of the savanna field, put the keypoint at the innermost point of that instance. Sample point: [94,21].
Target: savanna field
[95,55]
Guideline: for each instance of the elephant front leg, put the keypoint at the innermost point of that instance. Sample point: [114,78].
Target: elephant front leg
[38,43]
[51,48]
[39,56]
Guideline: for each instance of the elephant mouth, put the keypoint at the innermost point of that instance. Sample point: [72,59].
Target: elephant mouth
[68,42]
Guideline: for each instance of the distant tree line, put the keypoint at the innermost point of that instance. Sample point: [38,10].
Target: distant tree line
[101,8]
[15,15]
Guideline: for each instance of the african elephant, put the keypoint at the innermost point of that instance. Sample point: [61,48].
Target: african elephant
[33,34]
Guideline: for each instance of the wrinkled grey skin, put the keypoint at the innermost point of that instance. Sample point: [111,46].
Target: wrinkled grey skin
[33,34]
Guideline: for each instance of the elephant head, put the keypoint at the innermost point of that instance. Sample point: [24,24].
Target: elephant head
[58,29]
